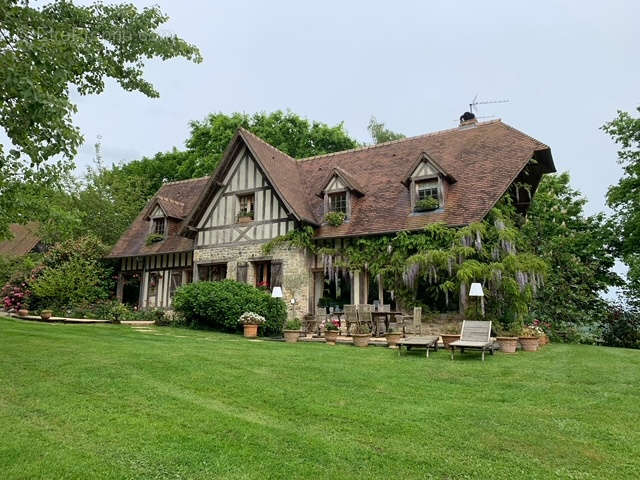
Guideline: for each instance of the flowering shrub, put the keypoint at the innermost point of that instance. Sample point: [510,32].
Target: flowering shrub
[329,325]
[532,330]
[15,296]
[250,318]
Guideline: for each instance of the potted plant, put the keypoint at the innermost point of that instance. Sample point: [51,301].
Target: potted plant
[245,217]
[46,314]
[292,330]
[450,335]
[331,331]
[529,338]
[335,219]
[23,311]
[427,204]
[251,321]
[360,335]
[543,339]
[508,339]
[393,337]
[153,238]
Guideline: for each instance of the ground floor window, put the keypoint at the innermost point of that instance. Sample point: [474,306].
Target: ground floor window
[176,282]
[131,288]
[263,274]
[212,273]
[336,291]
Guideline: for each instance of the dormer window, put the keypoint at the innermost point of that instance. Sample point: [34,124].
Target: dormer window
[158,226]
[428,183]
[338,202]
[427,195]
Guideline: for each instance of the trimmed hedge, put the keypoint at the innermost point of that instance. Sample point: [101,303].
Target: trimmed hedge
[220,304]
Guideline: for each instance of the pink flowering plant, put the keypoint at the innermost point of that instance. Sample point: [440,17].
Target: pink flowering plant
[330,325]
[15,297]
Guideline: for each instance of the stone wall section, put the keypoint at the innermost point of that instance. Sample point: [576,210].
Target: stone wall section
[296,263]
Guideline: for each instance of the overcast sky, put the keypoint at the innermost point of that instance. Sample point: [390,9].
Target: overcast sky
[566,67]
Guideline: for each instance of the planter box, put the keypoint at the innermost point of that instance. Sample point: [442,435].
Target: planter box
[291,336]
[508,344]
[393,338]
[331,336]
[449,338]
[361,339]
[529,344]
[251,331]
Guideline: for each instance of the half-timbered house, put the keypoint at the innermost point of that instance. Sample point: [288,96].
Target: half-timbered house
[214,227]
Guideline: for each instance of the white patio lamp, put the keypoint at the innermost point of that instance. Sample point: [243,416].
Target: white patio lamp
[476,291]
[276,292]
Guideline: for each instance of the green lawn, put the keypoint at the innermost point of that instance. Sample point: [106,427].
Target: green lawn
[106,401]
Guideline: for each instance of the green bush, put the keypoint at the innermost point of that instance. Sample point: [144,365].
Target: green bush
[220,304]
[72,283]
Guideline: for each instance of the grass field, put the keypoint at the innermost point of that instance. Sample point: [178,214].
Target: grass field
[106,401]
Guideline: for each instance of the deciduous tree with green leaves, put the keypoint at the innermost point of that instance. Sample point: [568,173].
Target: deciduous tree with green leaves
[579,249]
[46,53]
[380,134]
[624,198]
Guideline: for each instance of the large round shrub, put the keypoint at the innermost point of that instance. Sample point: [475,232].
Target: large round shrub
[220,304]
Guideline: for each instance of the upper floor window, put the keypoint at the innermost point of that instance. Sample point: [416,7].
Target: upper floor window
[247,204]
[338,202]
[427,195]
[158,226]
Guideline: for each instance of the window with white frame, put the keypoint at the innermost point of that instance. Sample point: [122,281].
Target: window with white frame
[427,195]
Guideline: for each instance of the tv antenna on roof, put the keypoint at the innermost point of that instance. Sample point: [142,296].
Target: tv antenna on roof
[473,106]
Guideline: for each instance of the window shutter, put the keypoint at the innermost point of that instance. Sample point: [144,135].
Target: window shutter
[276,274]
[241,273]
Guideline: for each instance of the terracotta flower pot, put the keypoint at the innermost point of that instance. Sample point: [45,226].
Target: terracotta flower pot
[245,219]
[361,339]
[45,314]
[291,336]
[508,344]
[331,336]
[529,344]
[449,338]
[23,312]
[250,331]
[543,340]
[393,338]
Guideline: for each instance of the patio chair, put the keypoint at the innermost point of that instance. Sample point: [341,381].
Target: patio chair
[364,315]
[313,322]
[476,335]
[413,323]
[350,316]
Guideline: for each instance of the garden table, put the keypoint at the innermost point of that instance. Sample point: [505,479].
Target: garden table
[424,342]
[387,319]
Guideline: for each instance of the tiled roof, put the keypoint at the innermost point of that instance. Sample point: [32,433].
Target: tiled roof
[170,196]
[25,238]
[484,159]
[481,162]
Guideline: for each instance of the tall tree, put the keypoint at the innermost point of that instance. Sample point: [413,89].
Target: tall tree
[47,51]
[380,134]
[579,250]
[624,198]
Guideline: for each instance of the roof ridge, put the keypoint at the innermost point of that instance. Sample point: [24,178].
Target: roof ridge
[267,143]
[187,180]
[391,142]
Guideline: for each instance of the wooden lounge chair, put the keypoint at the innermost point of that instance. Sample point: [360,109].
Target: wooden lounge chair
[350,316]
[413,323]
[427,342]
[476,335]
